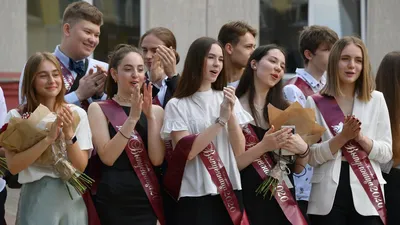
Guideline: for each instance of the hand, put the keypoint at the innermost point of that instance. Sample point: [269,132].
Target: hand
[168,59]
[136,103]
[67,119]
[147,100]
[275,139]
[91,83]
[156,70]
[101,82]
[54,130]
[295,144]
[227,104]
[351,128]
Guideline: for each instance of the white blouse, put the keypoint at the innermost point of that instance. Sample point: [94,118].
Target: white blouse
[195,114]
[84,140]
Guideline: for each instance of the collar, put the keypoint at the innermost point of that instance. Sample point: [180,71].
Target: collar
[163,83]
[62,57]
[310,79]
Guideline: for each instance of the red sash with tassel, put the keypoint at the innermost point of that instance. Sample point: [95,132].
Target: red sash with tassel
[138,158]
[282,194]
[354,154]
[209,156]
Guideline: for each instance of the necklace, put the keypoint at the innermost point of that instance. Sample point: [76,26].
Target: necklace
[119,98]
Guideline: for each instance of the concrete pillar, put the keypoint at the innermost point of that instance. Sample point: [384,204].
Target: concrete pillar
[383,29]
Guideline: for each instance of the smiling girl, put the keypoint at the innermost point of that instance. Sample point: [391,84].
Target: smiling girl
[44,198]
[126,134]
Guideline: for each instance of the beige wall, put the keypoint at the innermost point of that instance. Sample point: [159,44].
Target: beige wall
[383,29]
[190,19]
[13,43]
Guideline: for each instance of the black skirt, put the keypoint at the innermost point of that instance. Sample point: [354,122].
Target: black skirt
[260,210]
[122,200]
[204,210]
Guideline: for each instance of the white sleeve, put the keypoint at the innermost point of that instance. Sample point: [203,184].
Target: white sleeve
[382,144]
[173,119]
[242,116]
[293,94]
[3,108]
[72,98]
[320,153]
[83,133]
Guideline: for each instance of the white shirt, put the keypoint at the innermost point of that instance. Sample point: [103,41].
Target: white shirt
[3,114]
[162,89]
[195,114]
[70,97]
[234,84]
[294,94]
[84,140]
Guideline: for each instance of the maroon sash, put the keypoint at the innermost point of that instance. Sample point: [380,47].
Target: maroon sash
[354,154]
[302,85]
[69,81]
[282,194]
[209,156]
[156,101]
[138,158]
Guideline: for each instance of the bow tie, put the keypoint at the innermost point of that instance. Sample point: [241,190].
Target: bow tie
[78,67]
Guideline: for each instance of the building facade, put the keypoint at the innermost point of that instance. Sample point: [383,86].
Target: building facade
[35,25]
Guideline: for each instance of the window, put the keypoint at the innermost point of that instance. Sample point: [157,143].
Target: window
[44,24]
[282,20]
[121,25]
[280,23]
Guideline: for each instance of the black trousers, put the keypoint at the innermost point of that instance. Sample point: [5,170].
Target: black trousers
[392,196]
[3,197]
[343,211]
[205,210]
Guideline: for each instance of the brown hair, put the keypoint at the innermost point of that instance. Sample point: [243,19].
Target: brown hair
[115,58]
[246,85]
[313,36]
[192,75]
[82,11]
[232,31]
[388,82]
[165,35]
[28,88]
[364,84]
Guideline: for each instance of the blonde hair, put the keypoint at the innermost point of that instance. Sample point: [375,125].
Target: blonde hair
[364,84]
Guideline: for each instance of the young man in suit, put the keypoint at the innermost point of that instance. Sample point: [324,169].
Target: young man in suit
[84,77]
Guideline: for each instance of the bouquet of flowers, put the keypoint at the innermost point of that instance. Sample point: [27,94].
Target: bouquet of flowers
[22,133]
[303,119]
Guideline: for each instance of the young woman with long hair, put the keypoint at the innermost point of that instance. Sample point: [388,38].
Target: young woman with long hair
[347,185]
[44,198]
[126,134]
[260,85]
[204,120]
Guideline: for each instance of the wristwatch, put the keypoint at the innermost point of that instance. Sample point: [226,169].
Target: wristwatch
[71,141]
[221,122]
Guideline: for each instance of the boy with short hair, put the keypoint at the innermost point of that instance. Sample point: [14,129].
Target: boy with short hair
[238,40]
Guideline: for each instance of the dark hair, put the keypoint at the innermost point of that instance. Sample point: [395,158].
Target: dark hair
[246,85]
[165,35]
[388,82]
[82,11]
[192,75]
[313,36]
[115,58]
[28,88]
[232,31]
